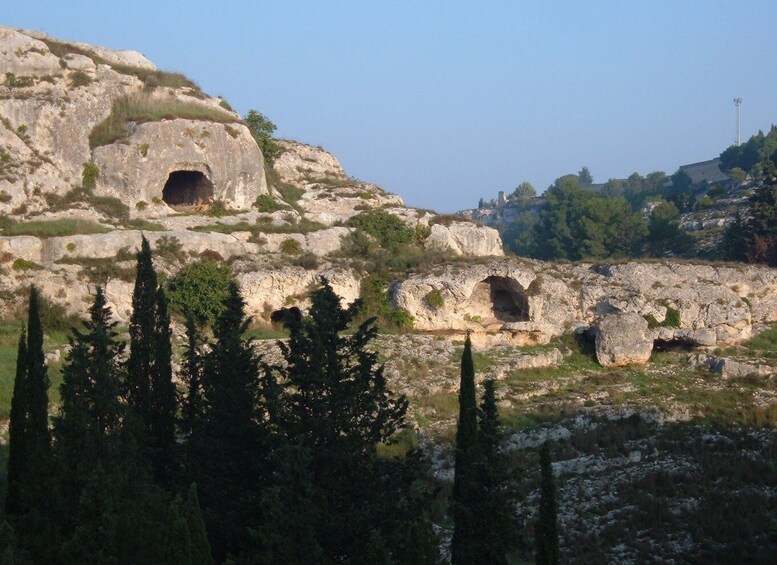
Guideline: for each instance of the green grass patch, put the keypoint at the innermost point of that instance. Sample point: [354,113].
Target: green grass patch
[141,108]
[9,342]
[50,228]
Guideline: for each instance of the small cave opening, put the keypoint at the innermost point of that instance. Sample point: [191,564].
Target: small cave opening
[677,345]
[501,299]
[187,189]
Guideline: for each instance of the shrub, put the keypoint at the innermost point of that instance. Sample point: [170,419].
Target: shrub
[266,203]
[434,299]
[141,205]
[5,198]
[200,288]
[24,265]
[671,319]
[217,209]
[80,78]
[89,176]
[290,246]
[386,228]
[54,316]
[170,248]
[375,302]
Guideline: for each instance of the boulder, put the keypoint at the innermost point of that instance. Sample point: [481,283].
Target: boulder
[465,239]
[623,339]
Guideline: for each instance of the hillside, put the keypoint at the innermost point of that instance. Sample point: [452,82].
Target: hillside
[655,380]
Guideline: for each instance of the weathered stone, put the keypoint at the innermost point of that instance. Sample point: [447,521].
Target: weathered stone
[623,339]
[465,239]
[227,157]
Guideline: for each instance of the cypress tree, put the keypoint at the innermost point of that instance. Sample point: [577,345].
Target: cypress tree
[546,529]
[291,517]
[465,543]
[200,546]
[337,405]
[163,393]
[36,527]
[16,453]
[90,412]
[192,403]
[37,439]
[227,450]
[137,387]
[497,495]
[178,547]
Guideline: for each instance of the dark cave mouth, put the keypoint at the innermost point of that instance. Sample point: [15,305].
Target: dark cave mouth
[187,189]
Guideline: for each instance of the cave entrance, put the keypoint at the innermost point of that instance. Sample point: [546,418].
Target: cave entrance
[499,298]
[187,189]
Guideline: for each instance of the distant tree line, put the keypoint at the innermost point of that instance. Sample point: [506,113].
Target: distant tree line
[639,216]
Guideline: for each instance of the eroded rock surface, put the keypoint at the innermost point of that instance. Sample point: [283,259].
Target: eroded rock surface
[623,339]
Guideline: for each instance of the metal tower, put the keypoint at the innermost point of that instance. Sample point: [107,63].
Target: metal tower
[738,104]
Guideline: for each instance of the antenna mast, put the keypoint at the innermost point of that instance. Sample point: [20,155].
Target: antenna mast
[738,104]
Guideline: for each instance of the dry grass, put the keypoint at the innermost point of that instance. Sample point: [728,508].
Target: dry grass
[145,108]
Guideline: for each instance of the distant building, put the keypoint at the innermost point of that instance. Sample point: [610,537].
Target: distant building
[705,170]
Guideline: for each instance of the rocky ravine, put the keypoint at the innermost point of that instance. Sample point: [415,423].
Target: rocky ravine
[56,98]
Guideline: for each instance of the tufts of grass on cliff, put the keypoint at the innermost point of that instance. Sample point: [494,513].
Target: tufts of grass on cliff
[142,108]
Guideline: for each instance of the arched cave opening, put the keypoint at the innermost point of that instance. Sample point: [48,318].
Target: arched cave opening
[185,189]
[500,298]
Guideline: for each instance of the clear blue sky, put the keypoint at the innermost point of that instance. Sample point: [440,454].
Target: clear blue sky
[445,102]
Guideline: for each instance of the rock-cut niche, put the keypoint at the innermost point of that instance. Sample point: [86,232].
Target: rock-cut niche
[185,189]
[499,298]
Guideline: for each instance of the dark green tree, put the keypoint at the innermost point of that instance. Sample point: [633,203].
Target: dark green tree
[197,534]
[228,448]
[261,129]
[736,241]
[142,326]
[192,402]
[90,415]
[497,494]
[16,425]
[163,405]
[35,524]
[762,225]
[465,545]
[585,177]
[178,546]
[546,529]
[336,404]
[291,515]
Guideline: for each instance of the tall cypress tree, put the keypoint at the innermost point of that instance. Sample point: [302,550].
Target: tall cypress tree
[546,529]
[201,553]
[192,402]
[497,495]
[16,453]
[163,394]
[36,527]
[137,387]
[227,450]
[465,543]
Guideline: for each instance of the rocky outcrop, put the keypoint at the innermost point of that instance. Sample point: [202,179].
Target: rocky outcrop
[466,239]
[53,95]
[531,302]
[623,339]
[227,158]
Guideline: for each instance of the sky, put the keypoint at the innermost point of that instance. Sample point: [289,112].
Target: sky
[445,102]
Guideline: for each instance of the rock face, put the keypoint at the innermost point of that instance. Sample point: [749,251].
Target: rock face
[623,339]
[531,302]
[212,161]
[53,95]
